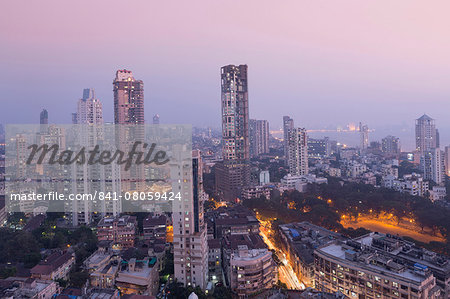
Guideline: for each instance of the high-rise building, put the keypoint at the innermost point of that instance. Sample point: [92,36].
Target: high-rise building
[129,110]
[447,160]
[426,134]
[259,137]
[156,119]
[438,144]
[233,174]
[44,117]
[298,151]
[105,178]
[364,136]
[21,154]
[128,98]
[390,145]
[74,118]
[189,229]
[427,149]
[319,148]
[43,121]
[89,109]
[432,164]
[288,124]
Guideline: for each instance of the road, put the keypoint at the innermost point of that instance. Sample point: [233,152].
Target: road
[285,272]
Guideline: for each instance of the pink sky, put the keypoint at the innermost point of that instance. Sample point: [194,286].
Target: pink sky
[323,62]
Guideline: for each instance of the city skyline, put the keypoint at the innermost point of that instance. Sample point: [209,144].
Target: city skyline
[318,61]
[225,149]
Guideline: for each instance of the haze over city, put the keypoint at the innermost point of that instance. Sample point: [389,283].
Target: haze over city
[327,64]
[225,149]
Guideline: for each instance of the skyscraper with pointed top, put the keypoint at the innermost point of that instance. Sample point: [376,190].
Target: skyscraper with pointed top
[233,174]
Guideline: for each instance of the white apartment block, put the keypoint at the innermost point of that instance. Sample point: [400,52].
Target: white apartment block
[298,151]
[432,164]
[189,230]
[413,184]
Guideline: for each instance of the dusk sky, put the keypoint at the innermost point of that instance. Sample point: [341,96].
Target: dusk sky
[324,63]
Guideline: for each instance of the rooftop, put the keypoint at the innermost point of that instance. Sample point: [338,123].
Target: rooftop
[371,260]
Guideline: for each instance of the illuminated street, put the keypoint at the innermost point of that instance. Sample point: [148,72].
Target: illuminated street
[285,272]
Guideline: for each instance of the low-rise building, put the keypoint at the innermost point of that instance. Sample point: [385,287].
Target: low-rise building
[121,230]
[98,293]
[363,272]
[294,181]
[438,193]
[251,270]
[138,277]
[235,220]
[55,266]
[155,228]
[215,260]
[409,254]
[15,287]
[97,260]
[256,192]
[413,184]
[231,245]
[334,172]
[298,242]
[105,276]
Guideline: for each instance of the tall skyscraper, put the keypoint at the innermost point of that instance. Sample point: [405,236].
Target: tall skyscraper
[259,137]
[447,160]
[129,110]
[74,118]
[364,136]
[298,151]
[189,229]
[91,178]
[89,109]
[427,149]
[43,121]
[44,117]
[426,134]
[128,98]
[288,124]
[390,145]
[432,164]
[233,173]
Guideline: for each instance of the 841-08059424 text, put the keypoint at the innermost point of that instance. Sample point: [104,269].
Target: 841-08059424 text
[131,196]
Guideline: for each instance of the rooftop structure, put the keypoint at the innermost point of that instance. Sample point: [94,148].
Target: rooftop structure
[356,269]
[251,270]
